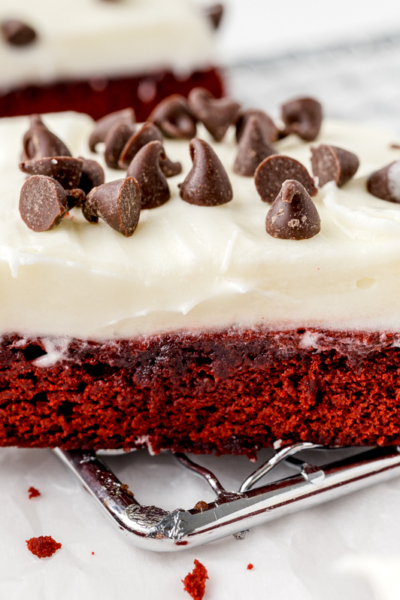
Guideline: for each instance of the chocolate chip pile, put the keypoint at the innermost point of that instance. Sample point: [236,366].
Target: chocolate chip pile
[58,182]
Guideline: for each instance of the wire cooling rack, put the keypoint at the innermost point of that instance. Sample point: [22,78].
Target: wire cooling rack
[152,527]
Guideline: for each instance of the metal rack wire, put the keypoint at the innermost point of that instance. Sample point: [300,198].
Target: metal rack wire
[232,512]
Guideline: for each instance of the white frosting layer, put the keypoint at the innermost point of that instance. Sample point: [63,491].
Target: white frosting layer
[100,38]
[194,268]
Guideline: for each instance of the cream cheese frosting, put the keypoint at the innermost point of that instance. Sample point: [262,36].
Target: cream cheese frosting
[98,38]
[194,268]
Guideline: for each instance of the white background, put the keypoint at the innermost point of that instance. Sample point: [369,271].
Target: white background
[265,27]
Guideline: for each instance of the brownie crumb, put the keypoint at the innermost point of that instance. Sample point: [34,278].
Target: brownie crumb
[43,546]
[33,493]
[250,567]
[195,582]
[201,505]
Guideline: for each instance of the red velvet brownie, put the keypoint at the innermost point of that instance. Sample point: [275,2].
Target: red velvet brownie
[181,316]
[98,56]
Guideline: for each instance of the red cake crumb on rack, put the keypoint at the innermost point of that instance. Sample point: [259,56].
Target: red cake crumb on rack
[43,546]
[195,582]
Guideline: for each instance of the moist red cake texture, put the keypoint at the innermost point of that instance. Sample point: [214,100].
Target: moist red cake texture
[195,582]
[43,546]
[229,392]
[33,493]
[102,96]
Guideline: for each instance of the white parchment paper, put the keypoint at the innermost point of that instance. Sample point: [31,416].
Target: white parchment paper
[343,549]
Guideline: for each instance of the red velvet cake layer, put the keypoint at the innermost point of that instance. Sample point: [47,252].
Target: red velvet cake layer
[232,392]
[102,96]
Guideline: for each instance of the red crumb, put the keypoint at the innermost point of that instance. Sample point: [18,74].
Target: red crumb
[33,493]
[43,546]
[195,582]
[92,553]
[250,567]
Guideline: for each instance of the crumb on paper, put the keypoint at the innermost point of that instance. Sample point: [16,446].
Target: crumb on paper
[92,553]
[43,546]
[195,582]
[33,493]
[250,566]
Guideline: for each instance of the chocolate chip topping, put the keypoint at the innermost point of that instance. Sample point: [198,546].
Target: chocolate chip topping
[174,118]
[385,183]
[117,203]
[266,124]
[145,168]
[302,116]
[40,142]
[216,114]
[207,183]
[148,133]
[103,125]
[65,169]
[170,168]
[330,163]
[42,203]
[115,141]
[293,215]
[17,33]
[92,175]
[275,170]
[215,12]
[75,198]
[253,149]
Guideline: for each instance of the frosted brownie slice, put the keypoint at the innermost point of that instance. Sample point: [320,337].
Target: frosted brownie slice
[98,56]
[201,331]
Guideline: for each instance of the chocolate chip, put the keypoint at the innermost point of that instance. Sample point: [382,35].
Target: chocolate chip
[17,33]
[75,198]
[274,170]
[253,148]
[117,203]
[214,13]
[103,125]
[303,117]
[65,169]
[330,163]
[207,183]
[174,118]
[42,203]
[145,168]
[293,215]
[148,133]
[216,114]
[40,142]
[170,168]
[385,183]
[115,141]
[92,175]
[266,124]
